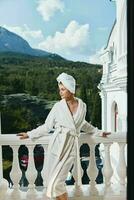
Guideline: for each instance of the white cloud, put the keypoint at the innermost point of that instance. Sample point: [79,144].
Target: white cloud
[95,58]
[74,39]
[47,8]
[72,43]
[26,33]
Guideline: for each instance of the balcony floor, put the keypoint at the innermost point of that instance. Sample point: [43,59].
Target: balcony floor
[113,193]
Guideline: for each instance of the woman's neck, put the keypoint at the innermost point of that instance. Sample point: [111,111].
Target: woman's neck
[71,101]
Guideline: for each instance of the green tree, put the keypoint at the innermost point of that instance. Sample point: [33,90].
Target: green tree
[96,112]
[84,97]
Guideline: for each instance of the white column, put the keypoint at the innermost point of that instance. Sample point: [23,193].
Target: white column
[118,15]
[15,173]
[104,110]
[121,169]
[92,170]
[121,22]
[107,169]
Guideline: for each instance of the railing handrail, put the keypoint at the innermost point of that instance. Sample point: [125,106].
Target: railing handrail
[114,137]
[12,139]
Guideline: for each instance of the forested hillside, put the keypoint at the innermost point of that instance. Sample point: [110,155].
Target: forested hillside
[28,89]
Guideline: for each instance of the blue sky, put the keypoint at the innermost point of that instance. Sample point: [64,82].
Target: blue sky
[75,29]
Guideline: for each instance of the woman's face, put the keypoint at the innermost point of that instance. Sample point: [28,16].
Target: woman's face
[64,93]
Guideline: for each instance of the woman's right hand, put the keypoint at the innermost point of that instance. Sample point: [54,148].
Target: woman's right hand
[23,135]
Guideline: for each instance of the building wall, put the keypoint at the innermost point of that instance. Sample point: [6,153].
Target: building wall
[114,79]
[120,98]
[114,82]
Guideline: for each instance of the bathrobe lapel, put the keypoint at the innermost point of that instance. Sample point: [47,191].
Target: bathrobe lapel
[67,119]
[80,114]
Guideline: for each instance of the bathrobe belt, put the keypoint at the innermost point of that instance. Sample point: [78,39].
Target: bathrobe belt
[78,164]
[76,135]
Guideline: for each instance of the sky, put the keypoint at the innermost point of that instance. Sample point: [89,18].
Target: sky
[77,30]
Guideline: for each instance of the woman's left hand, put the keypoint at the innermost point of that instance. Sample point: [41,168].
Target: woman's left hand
[104,134]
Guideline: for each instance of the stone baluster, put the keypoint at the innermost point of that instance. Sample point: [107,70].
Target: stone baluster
[44,166]
[31,172]
[107,169]
[92,170]
[121,168]
[76,174]
[15,173]
[3,182]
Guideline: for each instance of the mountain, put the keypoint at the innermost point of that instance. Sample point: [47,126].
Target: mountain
[11,42]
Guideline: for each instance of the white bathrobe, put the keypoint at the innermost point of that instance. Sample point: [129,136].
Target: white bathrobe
[63,146]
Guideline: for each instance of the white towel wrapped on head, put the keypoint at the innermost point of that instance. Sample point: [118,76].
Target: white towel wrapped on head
[68,81]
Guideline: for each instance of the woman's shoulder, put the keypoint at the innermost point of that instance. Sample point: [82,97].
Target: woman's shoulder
[80,100]
[57,103]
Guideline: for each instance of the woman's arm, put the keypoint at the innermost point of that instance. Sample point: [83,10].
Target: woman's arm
[43,129]
[90,129]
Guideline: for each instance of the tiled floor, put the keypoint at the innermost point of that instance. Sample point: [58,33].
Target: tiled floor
[113,193]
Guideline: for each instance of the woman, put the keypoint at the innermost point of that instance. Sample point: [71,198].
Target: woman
[67,117]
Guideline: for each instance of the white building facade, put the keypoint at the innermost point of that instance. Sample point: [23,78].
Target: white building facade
[113,84]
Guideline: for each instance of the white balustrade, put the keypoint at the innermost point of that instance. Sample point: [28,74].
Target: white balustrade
[92,170]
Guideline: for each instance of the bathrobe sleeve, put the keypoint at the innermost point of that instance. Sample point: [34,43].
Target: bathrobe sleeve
[90,129]
[46,127]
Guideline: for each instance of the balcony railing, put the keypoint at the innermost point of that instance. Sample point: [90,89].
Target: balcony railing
[106,190]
